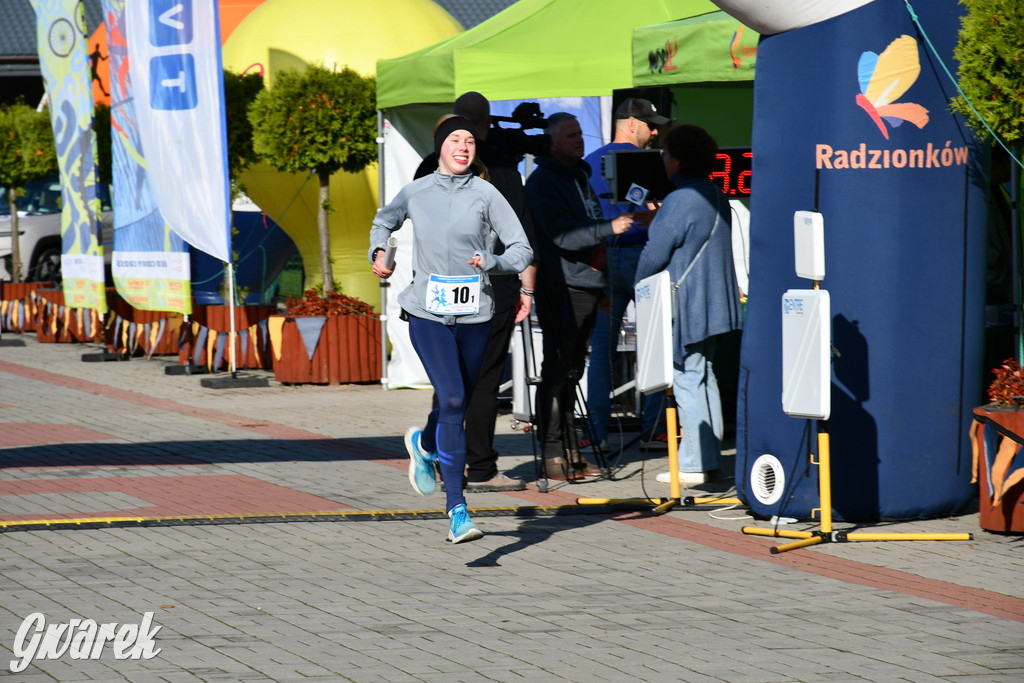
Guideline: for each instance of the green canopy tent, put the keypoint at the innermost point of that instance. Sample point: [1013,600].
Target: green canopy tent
[707,62]
[534,49]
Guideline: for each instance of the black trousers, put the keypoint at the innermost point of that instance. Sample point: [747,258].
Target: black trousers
[482,411]
[566,318]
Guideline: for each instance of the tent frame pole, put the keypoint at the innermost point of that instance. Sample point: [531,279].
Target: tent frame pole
[384,284]
[231,314]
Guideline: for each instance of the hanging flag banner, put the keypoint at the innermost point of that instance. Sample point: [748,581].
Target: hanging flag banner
[150,263]
[60,31]
[175,68]
[310,329]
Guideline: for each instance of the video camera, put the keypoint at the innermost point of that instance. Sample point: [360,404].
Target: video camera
[627,170]
[514,141]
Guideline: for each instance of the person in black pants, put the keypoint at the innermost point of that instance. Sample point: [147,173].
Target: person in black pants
[571,233]
[512,303]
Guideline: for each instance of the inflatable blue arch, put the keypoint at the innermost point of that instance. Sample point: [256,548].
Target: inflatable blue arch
[857,106]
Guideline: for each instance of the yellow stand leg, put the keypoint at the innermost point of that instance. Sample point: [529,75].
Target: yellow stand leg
[826,534]
[672,430]
[662,505]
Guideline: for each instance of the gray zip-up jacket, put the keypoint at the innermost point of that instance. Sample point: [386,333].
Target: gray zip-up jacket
[455,217]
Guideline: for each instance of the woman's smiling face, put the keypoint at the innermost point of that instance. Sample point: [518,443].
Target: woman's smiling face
[457,152]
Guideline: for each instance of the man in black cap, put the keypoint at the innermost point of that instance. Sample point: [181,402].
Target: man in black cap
[636,127]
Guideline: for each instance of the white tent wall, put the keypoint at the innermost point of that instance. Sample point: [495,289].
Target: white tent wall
[406,129]
[407,139]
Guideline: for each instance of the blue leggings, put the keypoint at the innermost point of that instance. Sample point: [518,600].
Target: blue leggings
[451,355]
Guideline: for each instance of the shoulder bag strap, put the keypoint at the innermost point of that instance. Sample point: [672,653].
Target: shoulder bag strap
[718,219]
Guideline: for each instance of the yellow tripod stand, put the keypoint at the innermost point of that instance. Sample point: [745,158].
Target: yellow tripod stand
[826,534]
[662,505]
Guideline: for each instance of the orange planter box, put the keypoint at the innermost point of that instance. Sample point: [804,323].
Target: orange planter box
[18,306]
[1007,514]
[119,336]
[348,351]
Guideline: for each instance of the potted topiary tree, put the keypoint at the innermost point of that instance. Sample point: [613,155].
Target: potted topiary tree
[990,52]
[317,121]
[321,121]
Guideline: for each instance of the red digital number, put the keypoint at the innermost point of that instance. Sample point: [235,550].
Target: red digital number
[743,182]
[724,174]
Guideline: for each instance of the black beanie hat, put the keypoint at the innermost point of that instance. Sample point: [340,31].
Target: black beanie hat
[449,126]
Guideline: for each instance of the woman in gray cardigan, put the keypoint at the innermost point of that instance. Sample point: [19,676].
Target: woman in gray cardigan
[691,234]
[449,303]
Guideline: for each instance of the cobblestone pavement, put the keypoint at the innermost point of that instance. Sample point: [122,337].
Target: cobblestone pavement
[260,588]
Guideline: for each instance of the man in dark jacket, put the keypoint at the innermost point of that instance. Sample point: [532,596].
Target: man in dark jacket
[570,234]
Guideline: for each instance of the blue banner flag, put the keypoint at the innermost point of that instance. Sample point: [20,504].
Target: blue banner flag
[150,264]
[175,68]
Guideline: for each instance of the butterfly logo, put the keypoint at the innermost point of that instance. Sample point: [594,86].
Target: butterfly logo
[884,78]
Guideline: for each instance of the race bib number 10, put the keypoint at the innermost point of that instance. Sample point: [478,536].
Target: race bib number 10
[453,294]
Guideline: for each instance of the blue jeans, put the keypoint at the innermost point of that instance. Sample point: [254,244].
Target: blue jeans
[700,408]
[622,262]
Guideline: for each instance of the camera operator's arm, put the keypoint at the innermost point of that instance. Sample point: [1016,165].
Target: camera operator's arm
[558,215]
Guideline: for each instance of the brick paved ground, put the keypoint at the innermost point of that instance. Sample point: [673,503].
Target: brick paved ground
[596,597]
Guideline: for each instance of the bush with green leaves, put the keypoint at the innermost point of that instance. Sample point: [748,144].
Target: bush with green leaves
[240,91]
[990,49]
[317,121]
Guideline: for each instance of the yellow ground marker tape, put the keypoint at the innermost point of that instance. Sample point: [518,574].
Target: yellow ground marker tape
[328,516]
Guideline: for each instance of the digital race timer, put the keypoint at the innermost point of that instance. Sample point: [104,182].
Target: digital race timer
[625,168]
[732,171]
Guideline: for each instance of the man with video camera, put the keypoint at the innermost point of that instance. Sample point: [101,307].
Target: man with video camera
[571,232]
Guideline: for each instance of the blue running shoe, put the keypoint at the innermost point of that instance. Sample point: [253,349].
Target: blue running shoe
[421,463]
[461,527]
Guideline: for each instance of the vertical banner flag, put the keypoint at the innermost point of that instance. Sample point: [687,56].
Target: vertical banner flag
[175,67]
[60,30]
[150,263]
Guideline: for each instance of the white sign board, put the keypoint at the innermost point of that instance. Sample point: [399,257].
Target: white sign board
[806,353]
[653,296]
[809,244]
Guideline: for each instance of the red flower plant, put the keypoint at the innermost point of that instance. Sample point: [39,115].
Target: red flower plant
[333,303]
[1007,389]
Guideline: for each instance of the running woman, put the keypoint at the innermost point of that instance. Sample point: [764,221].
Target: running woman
[448,305]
